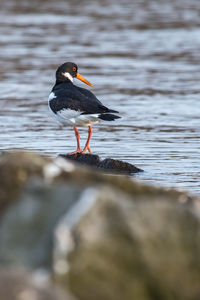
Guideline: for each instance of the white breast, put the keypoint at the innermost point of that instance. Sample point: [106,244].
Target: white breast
[68,116]
[72,117]
[52,96]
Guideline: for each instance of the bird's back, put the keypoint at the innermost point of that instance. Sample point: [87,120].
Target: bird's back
[68,96]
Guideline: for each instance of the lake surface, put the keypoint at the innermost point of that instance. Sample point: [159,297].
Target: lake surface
[143,58]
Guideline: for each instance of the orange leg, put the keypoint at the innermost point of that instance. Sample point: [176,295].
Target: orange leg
[78,150]
[87,147]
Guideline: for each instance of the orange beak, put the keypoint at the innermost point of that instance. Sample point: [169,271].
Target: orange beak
[80,77]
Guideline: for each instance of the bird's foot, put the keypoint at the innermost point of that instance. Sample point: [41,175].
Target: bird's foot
[85,149]
[75,152]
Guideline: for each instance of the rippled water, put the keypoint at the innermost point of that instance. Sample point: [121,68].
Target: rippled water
[143,58]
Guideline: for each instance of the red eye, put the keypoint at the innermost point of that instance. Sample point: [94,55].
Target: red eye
[74,68]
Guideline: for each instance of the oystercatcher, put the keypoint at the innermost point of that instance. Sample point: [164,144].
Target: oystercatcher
[76,106]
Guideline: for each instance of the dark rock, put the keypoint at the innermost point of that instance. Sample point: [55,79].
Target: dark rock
[86,159]
[116,166]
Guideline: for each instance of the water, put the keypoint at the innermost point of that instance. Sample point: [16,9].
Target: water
[142,57]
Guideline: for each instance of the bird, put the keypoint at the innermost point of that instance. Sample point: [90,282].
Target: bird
[75,106]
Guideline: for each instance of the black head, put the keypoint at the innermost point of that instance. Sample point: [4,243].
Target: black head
[68,71]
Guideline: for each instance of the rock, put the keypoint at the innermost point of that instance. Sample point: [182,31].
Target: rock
[27,227]
[15,169]
[103,236]
[143,247]
[41,191]
[20,285]
[86,159]
[118,166]
[108,164]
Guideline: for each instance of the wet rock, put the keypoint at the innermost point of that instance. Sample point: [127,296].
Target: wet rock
[114,165]
[118,166]
[86,159]
[143,247]
[19,285]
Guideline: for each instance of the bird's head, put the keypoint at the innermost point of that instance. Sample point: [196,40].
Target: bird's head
[69,71]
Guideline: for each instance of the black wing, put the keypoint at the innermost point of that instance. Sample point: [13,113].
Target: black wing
[93,100]
[69,96]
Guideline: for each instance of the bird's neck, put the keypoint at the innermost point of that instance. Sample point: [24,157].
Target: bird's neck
[63,80]
[64,77]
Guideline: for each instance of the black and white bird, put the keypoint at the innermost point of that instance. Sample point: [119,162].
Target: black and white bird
[76,106]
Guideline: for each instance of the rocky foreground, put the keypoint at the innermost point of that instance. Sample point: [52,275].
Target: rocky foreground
[69,232]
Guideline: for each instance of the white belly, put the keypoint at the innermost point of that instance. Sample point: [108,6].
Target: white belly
[72,117]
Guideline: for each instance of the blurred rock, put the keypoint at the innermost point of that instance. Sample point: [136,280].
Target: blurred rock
[15,169]
[41,191]
[19,285]
[143,247]
[108,164]
[102,236]
[26,228]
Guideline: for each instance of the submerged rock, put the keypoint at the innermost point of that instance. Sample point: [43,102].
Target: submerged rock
[114,165]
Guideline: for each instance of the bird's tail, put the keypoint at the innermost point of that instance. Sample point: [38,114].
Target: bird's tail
[108,117]
[112,111]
